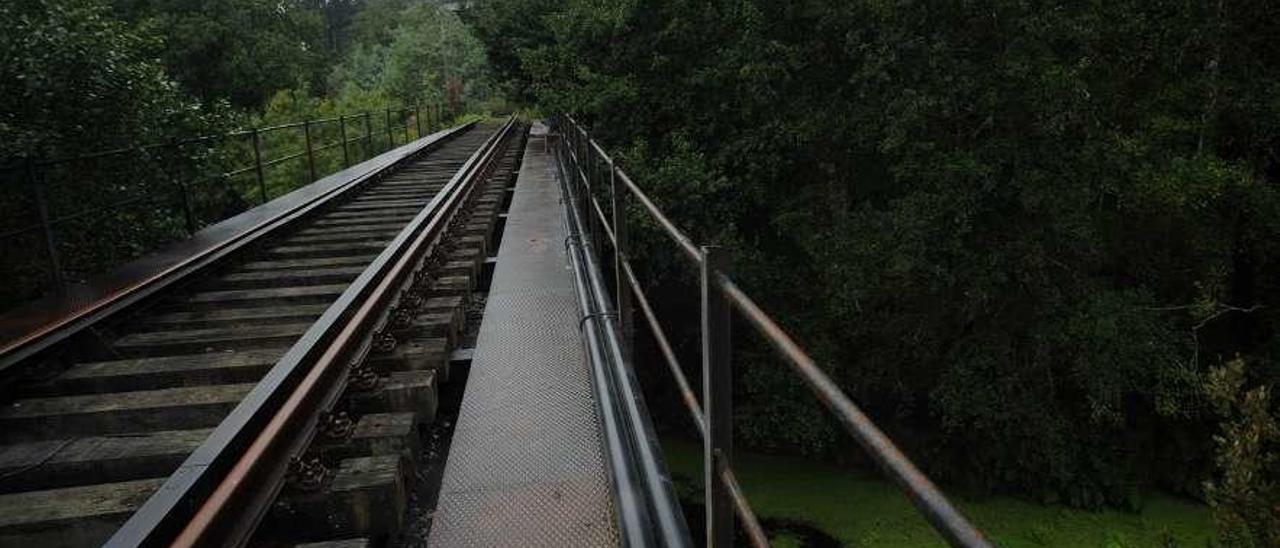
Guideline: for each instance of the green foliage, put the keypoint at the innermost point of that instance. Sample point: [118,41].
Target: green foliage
[865,510]
[87,76]
[73,79]
[511,29]
[363,116]
[242,51]
[1246,498]
[415,52]
[1015,234]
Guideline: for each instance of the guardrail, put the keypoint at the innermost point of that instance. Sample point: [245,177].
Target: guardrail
[591,170]
[647,509]
[142,197]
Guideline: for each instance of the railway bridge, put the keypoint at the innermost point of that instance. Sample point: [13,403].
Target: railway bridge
[432,345]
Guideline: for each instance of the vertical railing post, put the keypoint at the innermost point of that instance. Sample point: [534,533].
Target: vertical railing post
[588,195]
[622,289]
[368,134]
[342,134]
[417,119]
[188,213]
[57,277]
[311,155]
[404,117]
[257,164]
[391,140]
[717,398]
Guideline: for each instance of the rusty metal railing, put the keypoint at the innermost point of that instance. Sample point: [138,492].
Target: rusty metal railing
[590,168]
[154,193]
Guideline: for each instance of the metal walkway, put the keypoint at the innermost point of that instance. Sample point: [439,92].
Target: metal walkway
[526,467]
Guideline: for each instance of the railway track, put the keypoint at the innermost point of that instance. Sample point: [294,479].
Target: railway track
[280,389]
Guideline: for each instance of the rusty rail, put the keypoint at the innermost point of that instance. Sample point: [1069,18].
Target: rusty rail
[217,497]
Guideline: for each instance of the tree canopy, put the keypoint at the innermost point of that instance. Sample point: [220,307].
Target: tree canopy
[71,77]
[1018,234]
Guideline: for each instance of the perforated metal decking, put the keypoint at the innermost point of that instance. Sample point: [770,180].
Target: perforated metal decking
[525,467]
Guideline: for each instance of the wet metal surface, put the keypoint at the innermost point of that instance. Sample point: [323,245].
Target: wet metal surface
[26,328]
[525,467]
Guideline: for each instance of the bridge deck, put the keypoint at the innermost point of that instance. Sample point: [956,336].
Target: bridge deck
[526,465]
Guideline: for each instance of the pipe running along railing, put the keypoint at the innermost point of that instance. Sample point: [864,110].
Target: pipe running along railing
[151,188]
[589,169]
[219,494]
[648,512]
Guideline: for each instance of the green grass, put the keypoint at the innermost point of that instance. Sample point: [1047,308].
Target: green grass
[860,509]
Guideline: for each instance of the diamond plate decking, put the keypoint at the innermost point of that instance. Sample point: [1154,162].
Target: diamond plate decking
[526,465]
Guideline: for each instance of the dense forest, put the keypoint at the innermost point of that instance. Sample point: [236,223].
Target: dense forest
[80,77]
[1037,241]
[142,70]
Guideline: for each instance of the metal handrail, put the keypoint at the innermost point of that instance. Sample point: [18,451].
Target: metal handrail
[244,140]
[723,493]
[648,510]
[83,315]
[199,139]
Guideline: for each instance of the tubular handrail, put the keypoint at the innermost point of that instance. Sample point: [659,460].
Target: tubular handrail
[576,147]
[648,510]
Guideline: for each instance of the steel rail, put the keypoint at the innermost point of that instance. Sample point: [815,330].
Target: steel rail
[924,495]
[41,338]
[229,514]
[223,488]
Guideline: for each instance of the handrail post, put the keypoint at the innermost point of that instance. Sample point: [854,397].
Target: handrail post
[311,156]
[588,171]
[391,140]
[417,119]
[342,133]
[368,134]
[46,226]
[187,211]
[404,117]
[257,162]
[717,398]
[622,290]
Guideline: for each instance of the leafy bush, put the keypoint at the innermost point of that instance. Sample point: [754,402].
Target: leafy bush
[1246,496]
[74,80]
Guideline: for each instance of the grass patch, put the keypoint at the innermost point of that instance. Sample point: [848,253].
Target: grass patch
[861,509]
